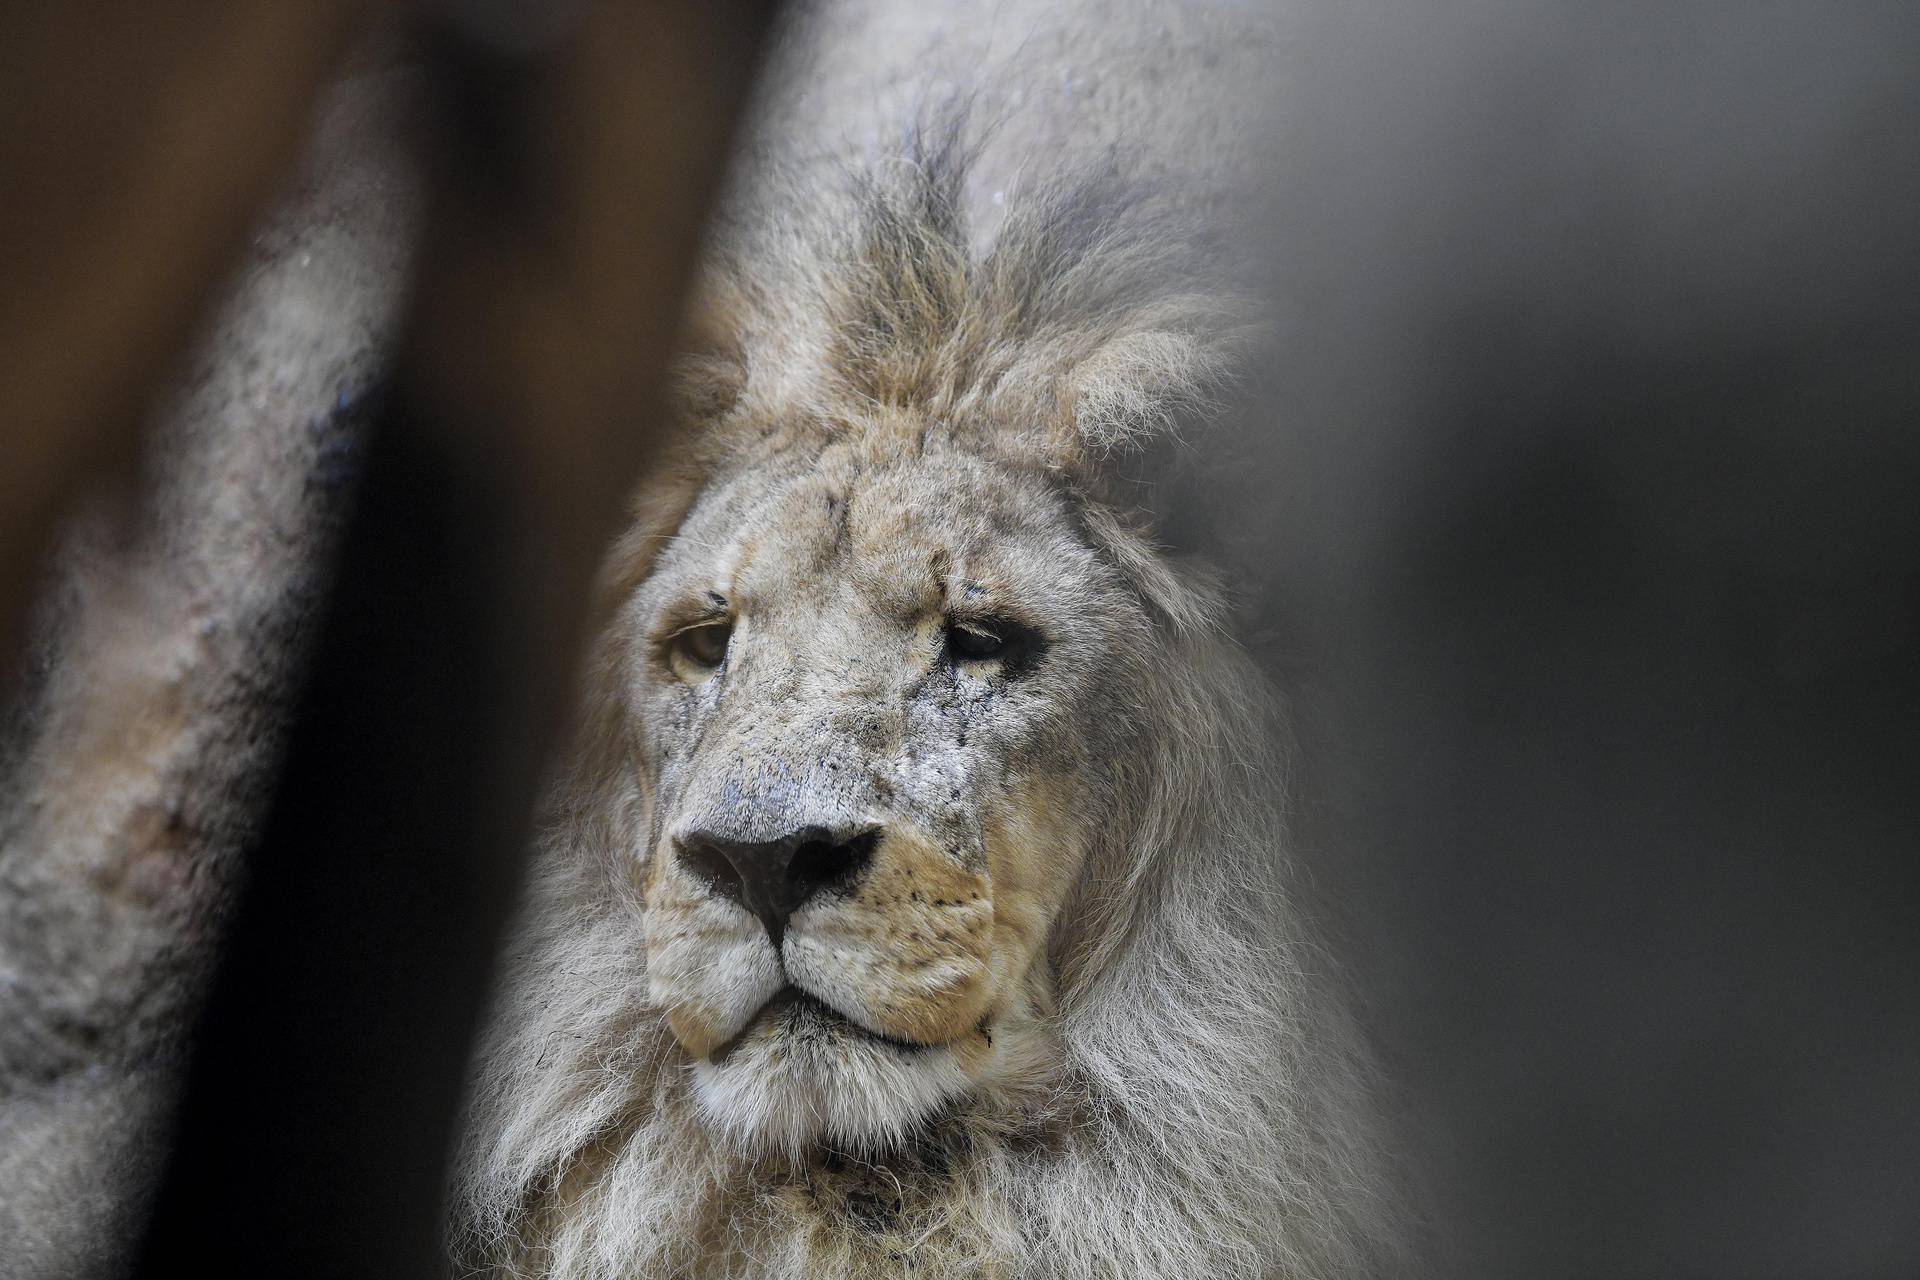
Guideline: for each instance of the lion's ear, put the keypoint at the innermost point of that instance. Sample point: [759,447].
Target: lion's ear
[709,375]
[1156,377]
[1147,409]
[707,380]
[1146,388]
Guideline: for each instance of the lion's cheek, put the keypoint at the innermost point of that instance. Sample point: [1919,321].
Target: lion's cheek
[1035,849]
[909,954]
[697,1028]
[926,980]
[710,967]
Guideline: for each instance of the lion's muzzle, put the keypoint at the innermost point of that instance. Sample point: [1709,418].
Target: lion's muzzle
[873,920]
[774,878]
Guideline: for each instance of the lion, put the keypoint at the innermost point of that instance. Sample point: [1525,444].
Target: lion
[919,900]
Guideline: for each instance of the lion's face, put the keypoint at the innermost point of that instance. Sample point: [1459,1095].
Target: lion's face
[863,679]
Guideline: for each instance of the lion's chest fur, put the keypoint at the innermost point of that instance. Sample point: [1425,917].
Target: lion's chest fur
[927,1211]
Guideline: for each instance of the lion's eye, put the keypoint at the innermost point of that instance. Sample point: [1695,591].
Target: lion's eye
[1013,647]
[973,643]
[698,650]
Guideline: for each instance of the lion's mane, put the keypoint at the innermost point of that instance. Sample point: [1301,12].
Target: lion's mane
[1206,1113]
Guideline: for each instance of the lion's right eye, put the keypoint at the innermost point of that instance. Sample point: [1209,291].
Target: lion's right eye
[696,651]
[1001,641]
[973,644]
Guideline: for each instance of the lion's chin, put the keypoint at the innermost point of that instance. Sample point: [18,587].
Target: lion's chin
[801,1075]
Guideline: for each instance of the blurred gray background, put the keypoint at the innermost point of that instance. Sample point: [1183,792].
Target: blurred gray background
[1592,487]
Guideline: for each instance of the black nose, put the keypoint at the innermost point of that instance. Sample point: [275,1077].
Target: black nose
[772,879]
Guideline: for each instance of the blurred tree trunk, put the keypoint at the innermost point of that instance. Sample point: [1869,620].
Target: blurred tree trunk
[137,751]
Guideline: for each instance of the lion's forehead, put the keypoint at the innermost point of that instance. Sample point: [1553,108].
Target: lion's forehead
[901,535]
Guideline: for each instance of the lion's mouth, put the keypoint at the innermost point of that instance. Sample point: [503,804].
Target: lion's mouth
[803,1015]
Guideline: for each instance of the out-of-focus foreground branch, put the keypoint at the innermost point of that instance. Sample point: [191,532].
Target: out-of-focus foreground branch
[140,140]
[575,154]
[575,165]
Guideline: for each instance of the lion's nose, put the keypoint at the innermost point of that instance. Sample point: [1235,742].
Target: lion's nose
[773,878]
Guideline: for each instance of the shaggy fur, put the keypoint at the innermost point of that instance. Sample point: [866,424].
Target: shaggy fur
[1162,1082]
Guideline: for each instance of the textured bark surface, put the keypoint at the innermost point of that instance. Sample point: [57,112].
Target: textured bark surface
[139,748]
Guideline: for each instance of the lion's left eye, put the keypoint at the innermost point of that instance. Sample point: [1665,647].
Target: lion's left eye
[698,650]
